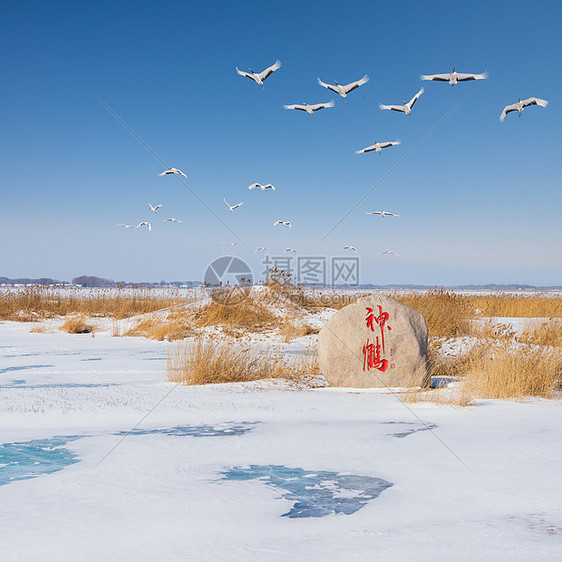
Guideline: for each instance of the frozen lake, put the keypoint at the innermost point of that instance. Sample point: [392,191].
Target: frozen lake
[99,454]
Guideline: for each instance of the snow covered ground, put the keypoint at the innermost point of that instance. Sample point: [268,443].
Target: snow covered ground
[102,459]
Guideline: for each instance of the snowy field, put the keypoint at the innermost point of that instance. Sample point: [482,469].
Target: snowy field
[102,459]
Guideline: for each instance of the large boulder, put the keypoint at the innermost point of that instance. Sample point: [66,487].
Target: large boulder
[375,342]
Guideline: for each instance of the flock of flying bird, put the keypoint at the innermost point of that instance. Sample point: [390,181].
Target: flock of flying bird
[259,78]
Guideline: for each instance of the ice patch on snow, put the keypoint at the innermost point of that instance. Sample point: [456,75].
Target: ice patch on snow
[13,382]
[23,368]
[221,430]
[316,494]
[21,461]
[441,382]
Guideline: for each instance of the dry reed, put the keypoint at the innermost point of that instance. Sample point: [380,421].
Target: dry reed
[548,333]
[445,312]
[251,313]
[489,329]
[205,362]
[173,327]
[449,366]
[291,330]
[77,325]
[515,373]
[491,369]
[35,303]
[533,305]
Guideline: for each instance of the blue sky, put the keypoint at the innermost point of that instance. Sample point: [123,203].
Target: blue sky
[479,201]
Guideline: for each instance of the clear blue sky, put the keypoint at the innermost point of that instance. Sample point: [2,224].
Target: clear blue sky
[479,201]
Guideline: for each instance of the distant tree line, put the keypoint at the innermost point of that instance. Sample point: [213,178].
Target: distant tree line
[93,281]
[28,281]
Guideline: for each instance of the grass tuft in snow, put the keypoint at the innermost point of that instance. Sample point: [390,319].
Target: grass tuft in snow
[201,361]
[173,327]
[77,325]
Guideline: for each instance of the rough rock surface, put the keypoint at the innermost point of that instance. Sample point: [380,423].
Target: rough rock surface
[375,342]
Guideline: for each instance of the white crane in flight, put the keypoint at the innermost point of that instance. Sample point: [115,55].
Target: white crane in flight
[262,187]
[378,146]
[232,207]
[407,107]
[520,105]
[259,77]
[310,109]
[344,90]
[382,213]
[454,77]
[172,171]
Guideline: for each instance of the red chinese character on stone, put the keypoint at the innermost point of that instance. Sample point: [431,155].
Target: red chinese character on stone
[372,357]
[381,320]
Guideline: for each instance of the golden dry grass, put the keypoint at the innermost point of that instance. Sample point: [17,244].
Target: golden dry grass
[492,369]
[35,303]
[77,325]
[291,330]
[547,333]
[445,312]
[489,329]
[515,372]
[533,305]
[453,366]
[175,326]
[206,362]
[253,314]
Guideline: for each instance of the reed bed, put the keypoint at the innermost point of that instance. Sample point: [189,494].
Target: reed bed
[447,313]
[515,373]
[201,361]
[35,303]
[533,305]
[548,333]
[492,369]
